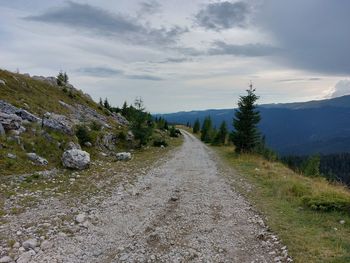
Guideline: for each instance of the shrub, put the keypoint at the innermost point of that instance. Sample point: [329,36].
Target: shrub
[96,126]
[122,136]
[327,203]
[173,132]
[83,134]
[159,142]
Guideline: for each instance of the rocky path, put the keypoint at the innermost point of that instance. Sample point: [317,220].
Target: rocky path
[181,211]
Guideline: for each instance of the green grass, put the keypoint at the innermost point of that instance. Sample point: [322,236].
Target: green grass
[304,212]
[38,95]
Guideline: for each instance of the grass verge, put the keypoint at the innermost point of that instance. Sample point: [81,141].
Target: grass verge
[305,212]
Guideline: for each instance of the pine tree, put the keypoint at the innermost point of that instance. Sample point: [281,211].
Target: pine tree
[62,79]
[65,78]
[196,126]
[100,102]
[207,130]
[106,104]
[141,126]
[246,136]
[221,135]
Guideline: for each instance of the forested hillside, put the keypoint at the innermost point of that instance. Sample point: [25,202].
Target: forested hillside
[295,128]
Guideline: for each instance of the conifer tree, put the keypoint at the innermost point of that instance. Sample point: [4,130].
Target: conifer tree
[246,136]
[207,130]
[106,104]
[62,79]
[221,135]
[196,126]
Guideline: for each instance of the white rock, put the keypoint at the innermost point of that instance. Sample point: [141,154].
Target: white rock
[342,222]
[11,156]
[46,245]
[16,245]
[2,130]
[37,159]
[123,156]
[30,244]
[5,259]
[76,159]
[2,82]
[80,218]
[72,145]
[25,257]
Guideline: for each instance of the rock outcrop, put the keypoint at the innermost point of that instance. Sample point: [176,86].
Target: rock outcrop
[36,159]
[109,140]
[58,122]
[120,119]
[8,108]
[76,159]
[10,121]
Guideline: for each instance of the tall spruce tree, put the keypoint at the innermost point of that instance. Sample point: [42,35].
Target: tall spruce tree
[207,130]
[196,126]
[246,136]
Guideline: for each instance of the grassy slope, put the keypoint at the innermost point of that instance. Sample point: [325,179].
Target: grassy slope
[286,199]
[40,96]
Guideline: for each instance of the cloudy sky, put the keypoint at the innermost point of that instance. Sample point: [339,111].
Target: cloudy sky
[180,54]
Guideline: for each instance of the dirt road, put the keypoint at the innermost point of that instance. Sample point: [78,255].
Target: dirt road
[181,211]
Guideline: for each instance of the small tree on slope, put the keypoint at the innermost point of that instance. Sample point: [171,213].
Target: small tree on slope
[246,135]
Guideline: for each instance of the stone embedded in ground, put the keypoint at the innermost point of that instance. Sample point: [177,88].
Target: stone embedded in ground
[46,245]
[11,156]
[5,259]
[2,130]
[25,257]
[30,244]
[123,156]
[72,145]
[37,159]
[76,159]
[80,218]
[88,144]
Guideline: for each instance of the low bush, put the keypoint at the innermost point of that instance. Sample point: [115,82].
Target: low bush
[160,143]
[95,126]
[83,134]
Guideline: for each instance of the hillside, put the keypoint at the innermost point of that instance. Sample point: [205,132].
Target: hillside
[295,128]
[44,125]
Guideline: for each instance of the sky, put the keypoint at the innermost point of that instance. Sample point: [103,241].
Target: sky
[183,55]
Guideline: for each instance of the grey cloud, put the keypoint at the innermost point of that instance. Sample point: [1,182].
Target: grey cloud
[102,22]
[298,79]
[341,88]
[100,71]
[314,34]
[105,72]
[248,50]
[172,60]
[150,7]
[144,77]
[223,15]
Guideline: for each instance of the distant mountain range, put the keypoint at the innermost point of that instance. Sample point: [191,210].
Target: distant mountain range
[301,128]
